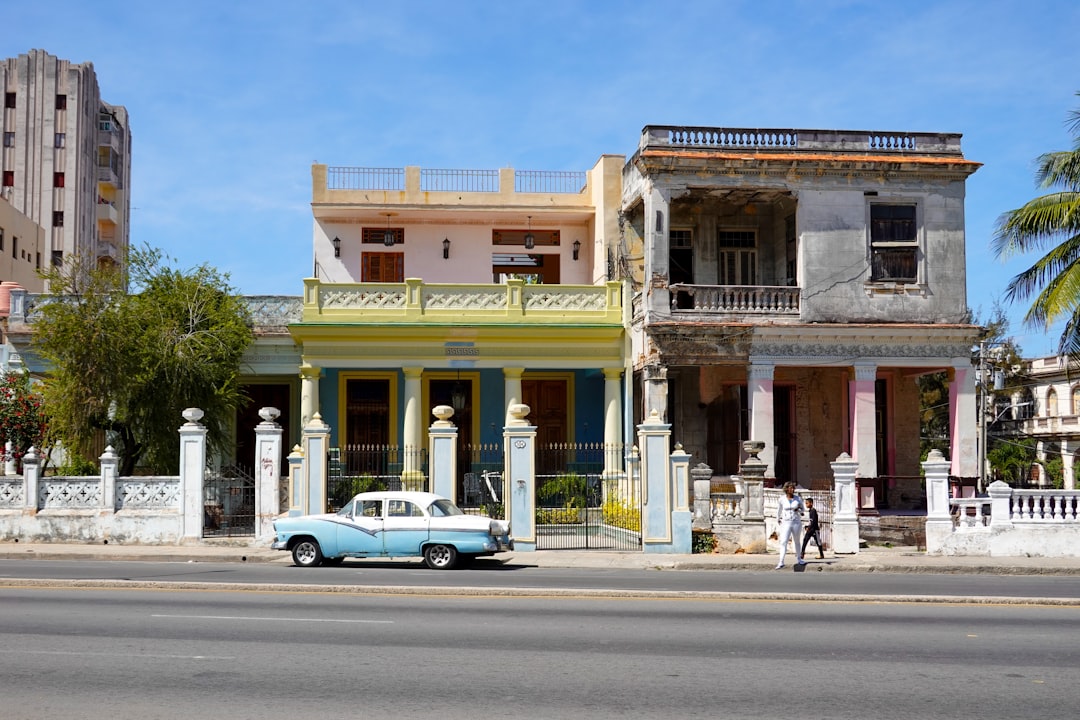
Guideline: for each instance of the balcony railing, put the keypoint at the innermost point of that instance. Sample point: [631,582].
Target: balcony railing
[420,302]
[552,182]
[742,299]
[790,140]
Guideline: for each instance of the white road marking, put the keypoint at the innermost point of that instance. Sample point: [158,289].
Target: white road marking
[74,653]
[274,619]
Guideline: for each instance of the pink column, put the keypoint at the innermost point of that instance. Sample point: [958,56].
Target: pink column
[761,413]
[963,424]
[863,420]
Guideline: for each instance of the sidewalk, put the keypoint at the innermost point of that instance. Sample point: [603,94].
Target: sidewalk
[873,559]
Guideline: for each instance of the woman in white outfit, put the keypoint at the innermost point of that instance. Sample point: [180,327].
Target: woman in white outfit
[789,512]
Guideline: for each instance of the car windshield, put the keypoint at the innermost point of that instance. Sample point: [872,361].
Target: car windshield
[443,507]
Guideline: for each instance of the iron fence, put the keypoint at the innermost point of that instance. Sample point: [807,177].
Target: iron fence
[363,468]
[229,502]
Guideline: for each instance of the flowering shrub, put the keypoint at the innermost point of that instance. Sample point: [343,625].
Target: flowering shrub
[22,420]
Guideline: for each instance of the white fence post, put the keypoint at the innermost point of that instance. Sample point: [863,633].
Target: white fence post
[109,462]
[268,471]
[939,524]
[442,453]
[519,439]
[192,474]
[845,518]
[31,478]
[1000,498]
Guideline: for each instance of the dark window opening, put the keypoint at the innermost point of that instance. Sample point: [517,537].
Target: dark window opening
[377,235]
[893,243]
[58,258]
[58,179]
[9,100]
[9,178]
[58,218]
[61,102]
[9,139]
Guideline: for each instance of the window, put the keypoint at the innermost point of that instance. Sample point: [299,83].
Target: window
[58,179]
[61,102]
[1076,401]
[1051,403]
[9,139]
[737,250]
[14,247]
[9,178]
[59,140]
[377,235]
[894,243]
[58,218]
[9,100]
[58,258]
[382,267]
[1,239]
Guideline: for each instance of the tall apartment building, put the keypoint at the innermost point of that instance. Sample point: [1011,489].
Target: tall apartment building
[66,158]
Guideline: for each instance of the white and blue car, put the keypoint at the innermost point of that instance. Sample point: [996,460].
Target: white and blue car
[392,524]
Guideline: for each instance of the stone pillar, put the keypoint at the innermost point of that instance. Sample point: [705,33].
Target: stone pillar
[412,477]
[268,472]
[864,420]
[316,443]
[10,467]
[701,477]
[519,439]
[655,390]
[309,393]
[31,466]
[511,390]
[442,453]
[109,463]
[963,424]
[752,475]
[192,475]
[657,221]
[296,480]
[1000,501]
[761,413]
[654,436]
[845,516]
[682,518]
[939,524]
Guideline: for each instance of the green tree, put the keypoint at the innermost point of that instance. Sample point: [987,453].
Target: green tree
[1049,221]
[22,420]
[129,363]
[1011,460]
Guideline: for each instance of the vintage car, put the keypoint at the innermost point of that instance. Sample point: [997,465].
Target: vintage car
[392,524]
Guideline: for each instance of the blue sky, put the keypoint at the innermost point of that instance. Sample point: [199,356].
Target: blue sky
[231,102]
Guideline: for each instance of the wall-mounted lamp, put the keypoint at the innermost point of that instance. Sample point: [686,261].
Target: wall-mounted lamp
[577,249]
[457,394]
[337,246]
[445,248]
[388,234]
[530,239]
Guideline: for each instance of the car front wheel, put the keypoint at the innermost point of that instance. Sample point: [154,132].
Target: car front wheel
[307,553]
[440,557]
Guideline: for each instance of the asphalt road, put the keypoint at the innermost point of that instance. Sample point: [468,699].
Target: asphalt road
[491,575]
[118,654]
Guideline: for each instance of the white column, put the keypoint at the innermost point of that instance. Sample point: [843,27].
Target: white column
[309,393]
[939,524]
[864,420]
[613,412]
[108,463]
[762,422]
[316,441]
[192,474]
[963,424]
[412,430]
[268,471]
[511,390]
[1068,447]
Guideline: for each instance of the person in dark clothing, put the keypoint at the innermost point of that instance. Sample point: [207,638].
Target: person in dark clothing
[813,530]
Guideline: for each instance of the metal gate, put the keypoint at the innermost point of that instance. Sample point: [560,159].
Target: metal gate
[585,500]
[229,502]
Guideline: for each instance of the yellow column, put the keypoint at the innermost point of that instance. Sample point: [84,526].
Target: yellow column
[512,390]
[309,393]
[412,428]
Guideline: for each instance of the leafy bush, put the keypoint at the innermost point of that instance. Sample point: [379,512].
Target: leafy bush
[621,514]
[569,490]
[558,516]
[347,488]
[704,543]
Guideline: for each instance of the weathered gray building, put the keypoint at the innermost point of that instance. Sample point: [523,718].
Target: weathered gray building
[793,286]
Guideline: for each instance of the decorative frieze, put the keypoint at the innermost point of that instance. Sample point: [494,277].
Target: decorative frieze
[149,493]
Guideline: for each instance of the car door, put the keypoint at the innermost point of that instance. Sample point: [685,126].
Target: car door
[360,532]
[405,528]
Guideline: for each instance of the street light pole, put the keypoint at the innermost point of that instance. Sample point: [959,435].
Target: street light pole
[982,415]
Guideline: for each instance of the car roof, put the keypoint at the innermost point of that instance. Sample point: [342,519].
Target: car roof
[423,498]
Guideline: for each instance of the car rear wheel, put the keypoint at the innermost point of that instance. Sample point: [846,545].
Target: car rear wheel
[307,553]
[440,557]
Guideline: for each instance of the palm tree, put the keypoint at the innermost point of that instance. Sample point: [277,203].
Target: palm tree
[1049,220]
